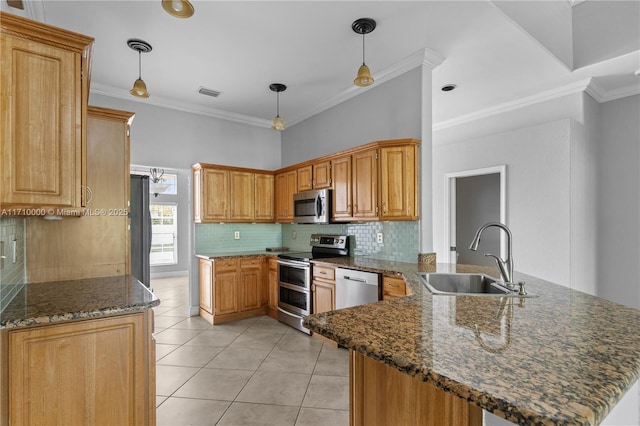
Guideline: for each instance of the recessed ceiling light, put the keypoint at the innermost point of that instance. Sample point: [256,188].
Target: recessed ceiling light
[448,87]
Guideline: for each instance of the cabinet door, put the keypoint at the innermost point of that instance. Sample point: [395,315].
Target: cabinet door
[264,198]
[365,184]
[251,284]
[324,298]
[341,171]
[242,191]
[393,287]
[41,146]
[305,178]
[215,195]
[398,182]
[322,174]
[286,186]
[273,285]
[206,285]
[226,293]
[81,373]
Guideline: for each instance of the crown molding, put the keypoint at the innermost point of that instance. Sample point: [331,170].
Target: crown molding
[601,95]
[577,87]
[422,57]
[101,89]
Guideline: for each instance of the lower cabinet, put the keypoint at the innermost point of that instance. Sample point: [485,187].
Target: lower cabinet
[324,293]
[232,288]
[393,286]
[272,307]
[89,372]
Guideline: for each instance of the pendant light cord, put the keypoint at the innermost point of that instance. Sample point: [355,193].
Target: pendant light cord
[278,104]
[362,48]
[139,65]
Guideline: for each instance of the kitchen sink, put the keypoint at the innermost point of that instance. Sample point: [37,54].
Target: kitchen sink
[464,285]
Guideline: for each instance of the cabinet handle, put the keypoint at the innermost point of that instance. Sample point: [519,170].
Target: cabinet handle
[384,207]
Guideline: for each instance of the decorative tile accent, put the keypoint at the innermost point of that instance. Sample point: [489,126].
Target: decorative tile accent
[427,258]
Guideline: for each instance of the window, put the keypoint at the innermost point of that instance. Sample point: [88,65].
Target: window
[164,229]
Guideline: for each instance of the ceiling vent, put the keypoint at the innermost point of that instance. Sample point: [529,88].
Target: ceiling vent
[209,92]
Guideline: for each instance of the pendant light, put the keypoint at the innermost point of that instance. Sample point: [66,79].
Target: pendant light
[139,87]
[363,26]
[278,124]
[178,8]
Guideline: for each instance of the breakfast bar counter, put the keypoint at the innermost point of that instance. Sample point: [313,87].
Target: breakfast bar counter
[52,302]
[563,357]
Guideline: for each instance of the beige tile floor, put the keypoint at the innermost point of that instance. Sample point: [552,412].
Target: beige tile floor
[249,372]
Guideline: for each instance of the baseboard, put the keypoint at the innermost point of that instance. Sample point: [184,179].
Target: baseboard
[194,311]
[169,274]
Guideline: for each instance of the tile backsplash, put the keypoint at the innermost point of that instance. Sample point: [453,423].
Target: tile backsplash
[12,275]
[400,239]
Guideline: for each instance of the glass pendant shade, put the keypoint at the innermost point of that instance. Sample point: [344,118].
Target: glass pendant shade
[139,89]
[364,77]
[278,124]
[178,8]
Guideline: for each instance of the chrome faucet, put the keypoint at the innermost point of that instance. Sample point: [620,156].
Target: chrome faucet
[506,265]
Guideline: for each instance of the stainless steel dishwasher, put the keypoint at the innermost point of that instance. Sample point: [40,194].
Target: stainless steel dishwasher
[356,287]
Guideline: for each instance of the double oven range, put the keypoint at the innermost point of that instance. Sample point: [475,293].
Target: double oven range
[294,277]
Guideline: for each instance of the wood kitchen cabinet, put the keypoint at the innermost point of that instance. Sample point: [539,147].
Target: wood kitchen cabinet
[272,307]
[264,197]
[232,288]
[44,84]
[286,187]
[398,183]
[96,371]
[355,186]
[324,288]
[393,287]
[231,194]
[314,176]
[60,250]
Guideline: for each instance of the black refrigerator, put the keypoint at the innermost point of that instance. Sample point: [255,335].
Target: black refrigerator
[140,228]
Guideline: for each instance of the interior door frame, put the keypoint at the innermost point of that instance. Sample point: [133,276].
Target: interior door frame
[450,206]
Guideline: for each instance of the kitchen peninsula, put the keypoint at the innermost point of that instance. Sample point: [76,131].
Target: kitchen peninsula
[564,357]
[73,352]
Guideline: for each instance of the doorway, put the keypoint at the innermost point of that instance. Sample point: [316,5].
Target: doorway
[473,198]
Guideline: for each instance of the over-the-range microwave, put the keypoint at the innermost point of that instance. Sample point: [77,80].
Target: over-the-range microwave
[312,206]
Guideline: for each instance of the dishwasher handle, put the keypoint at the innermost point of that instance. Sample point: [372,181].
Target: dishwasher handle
[360,280]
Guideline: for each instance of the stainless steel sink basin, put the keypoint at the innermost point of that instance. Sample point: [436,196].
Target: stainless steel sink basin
[464,285]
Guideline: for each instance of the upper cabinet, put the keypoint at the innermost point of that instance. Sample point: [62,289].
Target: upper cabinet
[44,85]
[355,186]
[314,176]
[286,186]
[231,194]
[398,183]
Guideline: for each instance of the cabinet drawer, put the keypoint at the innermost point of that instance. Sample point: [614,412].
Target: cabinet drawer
[226,265]
[251,263]
[324,272]
[393,286]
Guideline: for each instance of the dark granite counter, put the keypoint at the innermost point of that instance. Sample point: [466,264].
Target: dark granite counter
[50,302]
[564,357]
[238,254]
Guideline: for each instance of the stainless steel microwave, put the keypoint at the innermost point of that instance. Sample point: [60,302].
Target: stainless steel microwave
[312,206]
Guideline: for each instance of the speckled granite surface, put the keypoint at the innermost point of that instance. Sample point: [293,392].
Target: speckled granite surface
[50,302]
[562,358]
[238,254]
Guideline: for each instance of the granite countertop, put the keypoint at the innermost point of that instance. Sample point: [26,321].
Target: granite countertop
[240,254]
[51,302]
[564,357]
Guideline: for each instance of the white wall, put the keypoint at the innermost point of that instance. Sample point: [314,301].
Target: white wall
[618,230]
[387,111]
[538,210]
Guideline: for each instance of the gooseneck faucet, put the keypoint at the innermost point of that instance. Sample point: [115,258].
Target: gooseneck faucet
[505,265]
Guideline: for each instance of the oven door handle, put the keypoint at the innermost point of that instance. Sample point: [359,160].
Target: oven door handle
[294,287]
[294,263]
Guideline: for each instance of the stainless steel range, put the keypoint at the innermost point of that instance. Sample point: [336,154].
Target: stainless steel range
[294,277]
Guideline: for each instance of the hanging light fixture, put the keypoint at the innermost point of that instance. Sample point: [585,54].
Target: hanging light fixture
[278,124]
[139,87]
[178,8]
[156,186]
[363,26]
